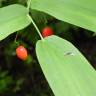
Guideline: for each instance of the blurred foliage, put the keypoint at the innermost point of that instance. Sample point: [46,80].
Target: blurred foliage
[25,78]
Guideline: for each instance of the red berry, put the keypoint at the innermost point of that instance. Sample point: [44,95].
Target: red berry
[47,31]
[21,53]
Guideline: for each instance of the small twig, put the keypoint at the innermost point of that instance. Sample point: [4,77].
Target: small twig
[36,27]
[28,4]
[28,7]
[15,40]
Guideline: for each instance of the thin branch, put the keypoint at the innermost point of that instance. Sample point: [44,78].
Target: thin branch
[36,27]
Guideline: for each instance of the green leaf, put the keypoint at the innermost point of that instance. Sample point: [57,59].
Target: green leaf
[13,18]
[67,71]
[81,13]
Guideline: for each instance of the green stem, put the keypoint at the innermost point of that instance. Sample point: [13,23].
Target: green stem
[28,4]
[36,27]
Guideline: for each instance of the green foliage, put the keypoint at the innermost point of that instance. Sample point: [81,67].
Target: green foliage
[5,81]
[66,70]
[14,18]
[81,13]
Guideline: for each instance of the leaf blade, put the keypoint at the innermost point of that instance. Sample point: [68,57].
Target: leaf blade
[67,75]
[72,11]
[14,18]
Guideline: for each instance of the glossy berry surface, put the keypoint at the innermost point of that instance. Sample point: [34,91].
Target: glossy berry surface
[47,31]
[21,52]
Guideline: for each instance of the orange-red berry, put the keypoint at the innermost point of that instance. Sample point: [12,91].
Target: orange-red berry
[21,52]
[47,31]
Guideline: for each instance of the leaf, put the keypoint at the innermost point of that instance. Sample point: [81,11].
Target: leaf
[67,74]
[13,18]
[81,13]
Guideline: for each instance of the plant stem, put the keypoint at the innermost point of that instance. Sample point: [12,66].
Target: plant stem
[36,27]
[28,4]
[15,40]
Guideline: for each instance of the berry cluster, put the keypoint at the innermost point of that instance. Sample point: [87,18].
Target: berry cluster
[21,51]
